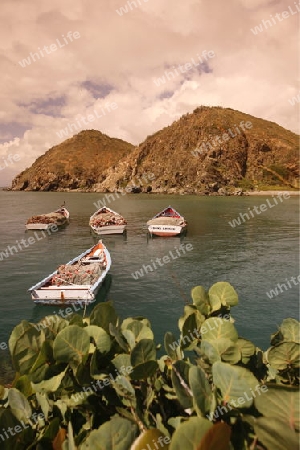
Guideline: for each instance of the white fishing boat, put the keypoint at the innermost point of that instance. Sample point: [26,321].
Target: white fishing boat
[167,223]
[107,221]
[60,217]
[78,281]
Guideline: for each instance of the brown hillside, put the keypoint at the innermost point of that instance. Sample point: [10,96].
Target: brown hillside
[77,163]
[263,153]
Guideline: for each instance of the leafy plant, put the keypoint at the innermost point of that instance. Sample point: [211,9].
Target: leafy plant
[97,383]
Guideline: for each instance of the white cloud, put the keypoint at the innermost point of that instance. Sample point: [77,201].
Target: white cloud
[254,74]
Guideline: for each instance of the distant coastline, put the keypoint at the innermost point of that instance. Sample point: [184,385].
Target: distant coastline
[272,192]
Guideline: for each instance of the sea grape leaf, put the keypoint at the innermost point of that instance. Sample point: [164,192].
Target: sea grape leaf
[217,437]
[235,384]
[19,405]
[275,434]
[151,440]
[19,440]
[201,300]
[41,365]
[116,434]
[18,332]
[116,333]
[180,381]
[130,338]
[217,328]
[23,385]
[188,435]
[144,351]
[140,330]
[290,329]
[284,355]
[144,370]
[52,325]
[172,346]
[246,348]
[71,345]
[101,338]
[201,389]
[280,403]
[190,326]
[123,364]
[209,350]
[43,401]
[221,349]
[25,344]
[50,385]
[222,294]
[104,314]
[123,387]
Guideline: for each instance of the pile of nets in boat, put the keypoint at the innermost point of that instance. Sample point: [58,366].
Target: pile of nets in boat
[167,221]
[86,274]
[53,217]
[107,218]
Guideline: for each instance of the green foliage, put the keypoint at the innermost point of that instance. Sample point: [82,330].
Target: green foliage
[246,184]
[96,383]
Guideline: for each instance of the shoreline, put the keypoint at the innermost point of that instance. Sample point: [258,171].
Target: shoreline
[259,193]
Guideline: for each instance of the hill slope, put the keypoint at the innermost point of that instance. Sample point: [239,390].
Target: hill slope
[77,163]
[208,151]
[264,153]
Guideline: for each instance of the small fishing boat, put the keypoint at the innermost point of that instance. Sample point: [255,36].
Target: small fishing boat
[167,223]
[107,221]
[60,217]
[78,281]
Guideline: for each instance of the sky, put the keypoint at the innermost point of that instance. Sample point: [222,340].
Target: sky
[130,68]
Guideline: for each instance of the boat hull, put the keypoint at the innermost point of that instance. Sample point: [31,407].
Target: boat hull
[109,229]
[39,226]
[64,295]
[69,294]
[166,230]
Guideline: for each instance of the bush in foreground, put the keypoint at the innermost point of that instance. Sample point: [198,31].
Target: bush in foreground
[96,383]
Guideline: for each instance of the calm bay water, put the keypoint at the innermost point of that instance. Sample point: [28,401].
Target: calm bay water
[253,257]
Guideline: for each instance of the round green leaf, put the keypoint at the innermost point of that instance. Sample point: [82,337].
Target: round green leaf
[284,355]
[71,345]
[19,405]
[217,328]
[246,348]
[103,315]
[144,370]
[290,329]
[25,344]
[116,434]
[222,294]
[280,403]
[201,300]
[144,351]
[224,349]
[101,338]
[237,384]
[275,435]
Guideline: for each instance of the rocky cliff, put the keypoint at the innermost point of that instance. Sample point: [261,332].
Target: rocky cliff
[213,150]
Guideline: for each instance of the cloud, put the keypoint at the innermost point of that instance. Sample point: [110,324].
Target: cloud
[116,58]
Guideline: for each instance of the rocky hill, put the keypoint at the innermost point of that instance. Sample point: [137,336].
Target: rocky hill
[77,163]
[213,150]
